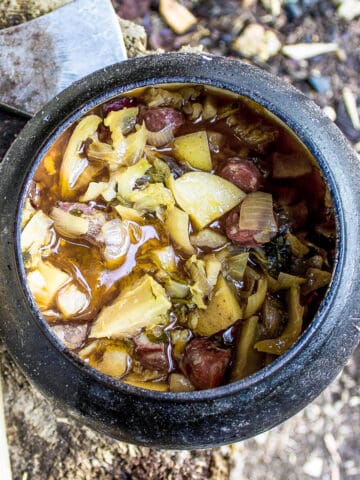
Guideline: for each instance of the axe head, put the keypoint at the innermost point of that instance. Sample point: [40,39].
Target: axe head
[40,58]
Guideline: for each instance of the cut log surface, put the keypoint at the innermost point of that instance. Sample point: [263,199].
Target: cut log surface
[13,12]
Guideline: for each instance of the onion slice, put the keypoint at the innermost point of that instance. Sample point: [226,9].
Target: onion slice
[117,242]
[68,224]
[162,137]
[257,215]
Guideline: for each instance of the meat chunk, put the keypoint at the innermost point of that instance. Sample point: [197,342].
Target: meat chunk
[34,194]
[119,104]
[151,355]
[76,208]
[242,173]
[204,363]
[245,237]
[96,218]
[73,336]
[158,118]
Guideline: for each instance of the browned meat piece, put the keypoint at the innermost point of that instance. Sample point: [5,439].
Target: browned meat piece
[257,134]
[119,104]
[297,215]
[76,208]
[245,237]
[34,194]
[151,355]
[242,173]
[158,118]
[72,335]
[204,363]
[96,218]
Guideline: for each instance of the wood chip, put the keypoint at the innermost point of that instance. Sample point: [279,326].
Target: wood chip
[314,467]
[330,112]
[256,41]
[178,17]
[4,449]
[301,51]
[349,9]
[332,447]
[273,6]
[351,108]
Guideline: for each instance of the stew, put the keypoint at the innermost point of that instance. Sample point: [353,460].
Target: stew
[178,238]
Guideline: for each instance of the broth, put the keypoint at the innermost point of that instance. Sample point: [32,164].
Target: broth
[178,238]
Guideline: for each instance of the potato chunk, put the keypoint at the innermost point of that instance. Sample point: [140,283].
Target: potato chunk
[44,283]
[114,362]
[71,301]
[194,150]
[208,238]
[205,197]
[179,383]
[139,306]
[222,311]
[36,233]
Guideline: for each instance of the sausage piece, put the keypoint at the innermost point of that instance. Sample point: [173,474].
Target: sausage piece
[233,232]
[119,104]
[96,218]
[73,335]
[204,363]
[76,208]
[242,173]
[158,118]
[151,355]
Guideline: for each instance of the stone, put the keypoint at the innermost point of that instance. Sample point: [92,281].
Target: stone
[319,83]
[314,467]
[349,9]
[256,41]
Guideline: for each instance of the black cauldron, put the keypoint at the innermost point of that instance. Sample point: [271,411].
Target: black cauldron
[204,418]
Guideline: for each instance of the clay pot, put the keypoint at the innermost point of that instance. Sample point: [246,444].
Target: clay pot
[203,418]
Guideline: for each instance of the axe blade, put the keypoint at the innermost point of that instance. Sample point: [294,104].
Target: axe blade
[41,57]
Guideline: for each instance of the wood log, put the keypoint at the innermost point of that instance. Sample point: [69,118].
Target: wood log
[13,12]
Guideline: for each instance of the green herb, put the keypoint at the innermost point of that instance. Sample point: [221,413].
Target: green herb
[76,212]
[157,339]
[26,257]
[278,254]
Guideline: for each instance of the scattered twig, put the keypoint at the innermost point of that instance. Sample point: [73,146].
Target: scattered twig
[178,17]
[351,108]
[301,51]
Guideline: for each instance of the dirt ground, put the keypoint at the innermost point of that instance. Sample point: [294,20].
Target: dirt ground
[322,441]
